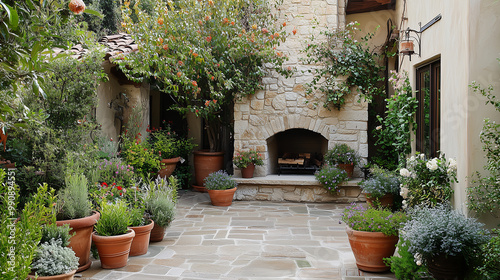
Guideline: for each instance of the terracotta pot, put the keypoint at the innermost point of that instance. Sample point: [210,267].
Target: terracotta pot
[167,166]
[349,168]
[140,243]
[247,172]
[206,162]
[385,201]
[67,276]
[199,188]
[157,233]
[444,267]
[370,248]
[222,197]
[113,250]
[81,241]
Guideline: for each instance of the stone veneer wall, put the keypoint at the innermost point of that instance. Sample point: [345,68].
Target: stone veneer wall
[282,104]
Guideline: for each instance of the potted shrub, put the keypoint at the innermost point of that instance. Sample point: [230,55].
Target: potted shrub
[331,177]
[112,236]
[373,235]
[164,143]
[74,209]
[440,237]
[53,260]
[247,161]
[381,187]
[344,157]
[159,201]
[221,188]
[141,225]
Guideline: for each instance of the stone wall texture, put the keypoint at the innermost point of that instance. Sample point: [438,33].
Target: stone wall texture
[283,103]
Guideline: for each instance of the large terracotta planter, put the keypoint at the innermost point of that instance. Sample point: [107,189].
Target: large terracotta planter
[385,201]
[370,248]
[247,172]
[349,168]
[167,166]
[81,241]
[67,276]
[157,233]
[206,162]
[443,267]
[222,197]
[140,243]
[113,250]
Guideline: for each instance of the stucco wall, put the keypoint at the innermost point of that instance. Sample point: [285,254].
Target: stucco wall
[467,42]
[110,91]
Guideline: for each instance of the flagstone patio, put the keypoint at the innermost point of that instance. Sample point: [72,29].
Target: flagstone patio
[248,240]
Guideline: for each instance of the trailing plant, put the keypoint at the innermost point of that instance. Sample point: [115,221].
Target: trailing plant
[427,181]
[243,159]
[114,220]
[441,230]
[404,265]
[484,191]
[73,201]
[330,177]
[357,217]
[219,180]
[381,182]
[205,53]
[52,258]
[396,127]
[346,63]
[343,154]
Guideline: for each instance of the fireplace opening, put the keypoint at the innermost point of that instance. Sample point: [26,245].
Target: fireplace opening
[296,151]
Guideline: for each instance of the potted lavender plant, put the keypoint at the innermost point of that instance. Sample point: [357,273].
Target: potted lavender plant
[221,188]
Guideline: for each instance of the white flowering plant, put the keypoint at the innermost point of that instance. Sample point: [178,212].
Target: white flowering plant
[427,181]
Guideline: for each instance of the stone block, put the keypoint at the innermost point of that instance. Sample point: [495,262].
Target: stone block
[363,137]
[246,193]
[356,125]
[242,107]
[257,104]
[255,120]
[279,102]
[344,137]
[273,87]
[363,150]
[307,194]
[353,116]
[291,104]
[291,96]
[269,81]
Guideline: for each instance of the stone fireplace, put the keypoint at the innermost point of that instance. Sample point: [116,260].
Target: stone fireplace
[282,118]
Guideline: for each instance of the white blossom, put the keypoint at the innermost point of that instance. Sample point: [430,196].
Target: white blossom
[404,172]
[432,164]
[452,163]
[404,192]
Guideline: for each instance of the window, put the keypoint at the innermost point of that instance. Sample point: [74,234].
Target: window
[428,89]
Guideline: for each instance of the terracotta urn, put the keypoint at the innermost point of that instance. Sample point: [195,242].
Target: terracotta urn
[206,162]
[247,172]
[347,167]
[140,243]
[67,276]
[81,241]
[385,201]
[113,250]
[222,197]
[167,166]
[370,249]
[157,233]
[444,267]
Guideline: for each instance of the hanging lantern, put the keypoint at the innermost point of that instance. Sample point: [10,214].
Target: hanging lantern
[406,47]
[77,6]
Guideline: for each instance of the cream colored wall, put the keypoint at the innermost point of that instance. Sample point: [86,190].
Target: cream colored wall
[369,23]
[467,43]
[109,91]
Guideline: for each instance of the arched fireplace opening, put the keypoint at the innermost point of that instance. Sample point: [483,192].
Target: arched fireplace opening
[296,151]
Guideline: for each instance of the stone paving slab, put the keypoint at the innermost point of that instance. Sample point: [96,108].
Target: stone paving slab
[248,240]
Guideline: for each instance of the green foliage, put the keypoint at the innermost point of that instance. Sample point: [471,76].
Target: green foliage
[219,180]
[441,230]
[137,216]
[404,265]
[342,153]
[347,63]
[490,263]
[204,53]
[330,177]
[142,157]
[116,171]
[243,159]
[115,218]
[160,197]
[357,217]
[52,258]
[484,191]
[73,202]
[381,183]
[395,129]
[54,232]
[168,144]
[428,181]
[19,240]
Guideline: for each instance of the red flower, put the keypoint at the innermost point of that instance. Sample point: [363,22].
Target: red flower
[294,31]
[195,84]
[119,188]
[209,38]
[207,102]
[264,30]
[104,184]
